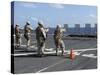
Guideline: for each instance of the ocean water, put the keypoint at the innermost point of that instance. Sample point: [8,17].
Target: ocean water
[74,31]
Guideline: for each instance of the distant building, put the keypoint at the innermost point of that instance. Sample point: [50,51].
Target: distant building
[77,29]
[87,29]
[66,27]
[95,29]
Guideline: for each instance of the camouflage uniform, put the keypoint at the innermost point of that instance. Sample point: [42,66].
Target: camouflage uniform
[27,33]
[17,36]
[41,38]
[58,40]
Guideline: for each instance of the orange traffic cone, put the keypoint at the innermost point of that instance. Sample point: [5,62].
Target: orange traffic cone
[71,55]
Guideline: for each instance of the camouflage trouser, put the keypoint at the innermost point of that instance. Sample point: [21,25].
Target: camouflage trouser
[18,41]
[41,46]
[27,37]
[60,45]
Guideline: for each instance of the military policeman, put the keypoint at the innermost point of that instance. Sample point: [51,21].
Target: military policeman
[41,38]
[17,36]
[27,33]
[58,40]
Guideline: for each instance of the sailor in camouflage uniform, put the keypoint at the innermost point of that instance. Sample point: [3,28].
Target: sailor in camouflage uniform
[17,36]
[58,40]
[27,33]
[41,38]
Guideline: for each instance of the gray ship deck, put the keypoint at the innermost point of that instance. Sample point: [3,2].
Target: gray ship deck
[27,61]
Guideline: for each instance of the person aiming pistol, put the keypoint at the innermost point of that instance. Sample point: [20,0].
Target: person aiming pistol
[41,38]
[58,40]
[27,33]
